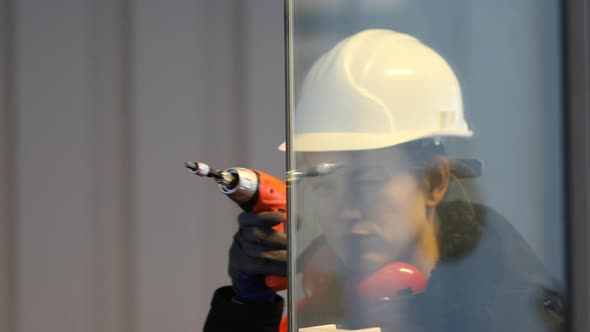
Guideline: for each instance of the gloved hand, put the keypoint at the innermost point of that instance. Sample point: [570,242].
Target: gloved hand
[257,250]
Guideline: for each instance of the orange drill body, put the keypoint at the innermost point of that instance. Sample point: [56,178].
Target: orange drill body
[272,196]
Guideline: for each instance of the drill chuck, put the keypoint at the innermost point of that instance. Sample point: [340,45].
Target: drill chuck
[245,186]
[240,184]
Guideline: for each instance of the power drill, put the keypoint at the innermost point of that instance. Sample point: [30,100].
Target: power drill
[254,191]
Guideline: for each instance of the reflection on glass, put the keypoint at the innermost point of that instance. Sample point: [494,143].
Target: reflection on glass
[401,240]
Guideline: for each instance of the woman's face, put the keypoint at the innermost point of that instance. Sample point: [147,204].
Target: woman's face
[371,210]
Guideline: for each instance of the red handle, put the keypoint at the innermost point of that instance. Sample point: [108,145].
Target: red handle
[272,196]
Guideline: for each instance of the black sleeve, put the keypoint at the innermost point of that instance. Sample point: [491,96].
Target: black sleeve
[226,315]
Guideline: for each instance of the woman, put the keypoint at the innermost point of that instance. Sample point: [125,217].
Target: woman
[375,114]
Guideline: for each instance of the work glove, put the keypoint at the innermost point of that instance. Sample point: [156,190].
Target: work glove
[257,250]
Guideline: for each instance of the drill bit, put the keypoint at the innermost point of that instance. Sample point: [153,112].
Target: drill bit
[202,169]
[224,178]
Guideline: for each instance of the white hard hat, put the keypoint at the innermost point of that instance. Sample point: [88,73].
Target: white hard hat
[375,89]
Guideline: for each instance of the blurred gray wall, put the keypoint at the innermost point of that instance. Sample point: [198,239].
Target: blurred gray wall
[101,228]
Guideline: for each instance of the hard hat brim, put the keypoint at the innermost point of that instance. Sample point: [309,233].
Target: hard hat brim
[325,142]
[318,142]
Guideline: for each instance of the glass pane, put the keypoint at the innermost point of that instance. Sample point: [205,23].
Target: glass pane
[426,176]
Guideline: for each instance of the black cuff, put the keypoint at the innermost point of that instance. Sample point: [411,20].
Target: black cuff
[228,315]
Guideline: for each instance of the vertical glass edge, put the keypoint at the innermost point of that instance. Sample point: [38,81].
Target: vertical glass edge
[576,63]
[291,273]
